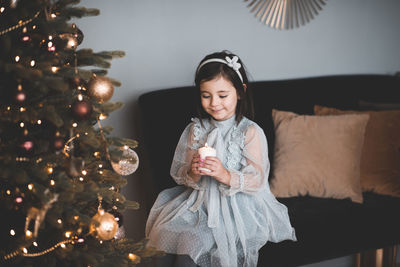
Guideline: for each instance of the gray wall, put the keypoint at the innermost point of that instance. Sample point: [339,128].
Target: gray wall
[165,40]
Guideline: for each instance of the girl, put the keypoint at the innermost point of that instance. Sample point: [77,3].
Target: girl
[223,216]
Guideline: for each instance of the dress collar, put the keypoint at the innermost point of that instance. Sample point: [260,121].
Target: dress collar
[225,123]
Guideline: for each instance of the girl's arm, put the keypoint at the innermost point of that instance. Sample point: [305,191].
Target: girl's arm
[185,153]
[254,174]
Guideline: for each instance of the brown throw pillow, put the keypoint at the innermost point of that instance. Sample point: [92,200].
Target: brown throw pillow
[380,159]
[317,155]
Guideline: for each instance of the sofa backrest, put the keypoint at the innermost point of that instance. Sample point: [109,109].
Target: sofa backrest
[165,113]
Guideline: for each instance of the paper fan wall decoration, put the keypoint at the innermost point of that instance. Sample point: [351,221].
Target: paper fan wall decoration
[285,14]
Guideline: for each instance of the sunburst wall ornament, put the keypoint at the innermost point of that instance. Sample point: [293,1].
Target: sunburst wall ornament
[285,14]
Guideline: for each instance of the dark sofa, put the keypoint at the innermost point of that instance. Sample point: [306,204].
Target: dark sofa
[326,228]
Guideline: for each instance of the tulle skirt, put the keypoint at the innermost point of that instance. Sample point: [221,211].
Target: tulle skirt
[246,222]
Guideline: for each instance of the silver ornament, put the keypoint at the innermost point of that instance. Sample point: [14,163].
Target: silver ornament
[128,164]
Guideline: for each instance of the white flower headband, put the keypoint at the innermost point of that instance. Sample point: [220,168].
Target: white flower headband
[231,62]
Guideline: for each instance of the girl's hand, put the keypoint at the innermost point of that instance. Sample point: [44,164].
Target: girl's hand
[194,172]
[217,170]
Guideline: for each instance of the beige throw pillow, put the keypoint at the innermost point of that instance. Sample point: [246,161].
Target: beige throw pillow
[317,155]
[380,159]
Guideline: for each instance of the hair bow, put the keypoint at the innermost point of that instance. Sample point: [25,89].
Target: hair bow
[232,62]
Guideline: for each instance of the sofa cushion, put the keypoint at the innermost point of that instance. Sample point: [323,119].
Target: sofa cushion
[380,159]
[317,155]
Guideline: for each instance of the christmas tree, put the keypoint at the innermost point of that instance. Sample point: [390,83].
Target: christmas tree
[61,170]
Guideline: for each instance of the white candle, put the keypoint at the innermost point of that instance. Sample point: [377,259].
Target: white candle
[206,151]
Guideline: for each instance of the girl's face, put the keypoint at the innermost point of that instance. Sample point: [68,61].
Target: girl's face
[218,98]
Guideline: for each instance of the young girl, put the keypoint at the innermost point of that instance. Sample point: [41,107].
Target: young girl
[221,216]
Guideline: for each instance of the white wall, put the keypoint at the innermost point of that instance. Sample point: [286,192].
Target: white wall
[165,40]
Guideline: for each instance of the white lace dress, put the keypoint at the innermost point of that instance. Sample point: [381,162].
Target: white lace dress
[216,224]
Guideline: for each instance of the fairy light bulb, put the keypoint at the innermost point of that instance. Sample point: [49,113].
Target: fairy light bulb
[28,234]
[72,43]
[22,109]
[54,69]
[39,122]
[53,16]
[17,58]
[12,232]
[52,182]
[81,179]
[74,125]
[2,9]
[68,234]
[30,186]
[50,170]
[80,97]
[63,246]
[84,172]
[21,124]
[33,63]
[59,221]
[8,192]
[25,250]
[102,117]
[133,257]
[35,243]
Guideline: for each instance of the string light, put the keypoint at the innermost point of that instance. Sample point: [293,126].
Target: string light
[50,170]
[74,125]
[84,172]
[12,232]
[30,186]
[52,182]
[35,243]
[68,234]
[33,63]
[102,117]
[22,125]
[54,69]
[39,122]
[81,179]
[17,58]
[22,109]
[24,29]
[19,200]
[59,221]
[2,9]
[8,192]
[53,16]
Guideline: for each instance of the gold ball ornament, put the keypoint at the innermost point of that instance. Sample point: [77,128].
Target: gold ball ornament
[100,88]
[104,225]
[128,164]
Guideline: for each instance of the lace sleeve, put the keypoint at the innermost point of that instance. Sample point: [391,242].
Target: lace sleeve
[253,176]
[184,152]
